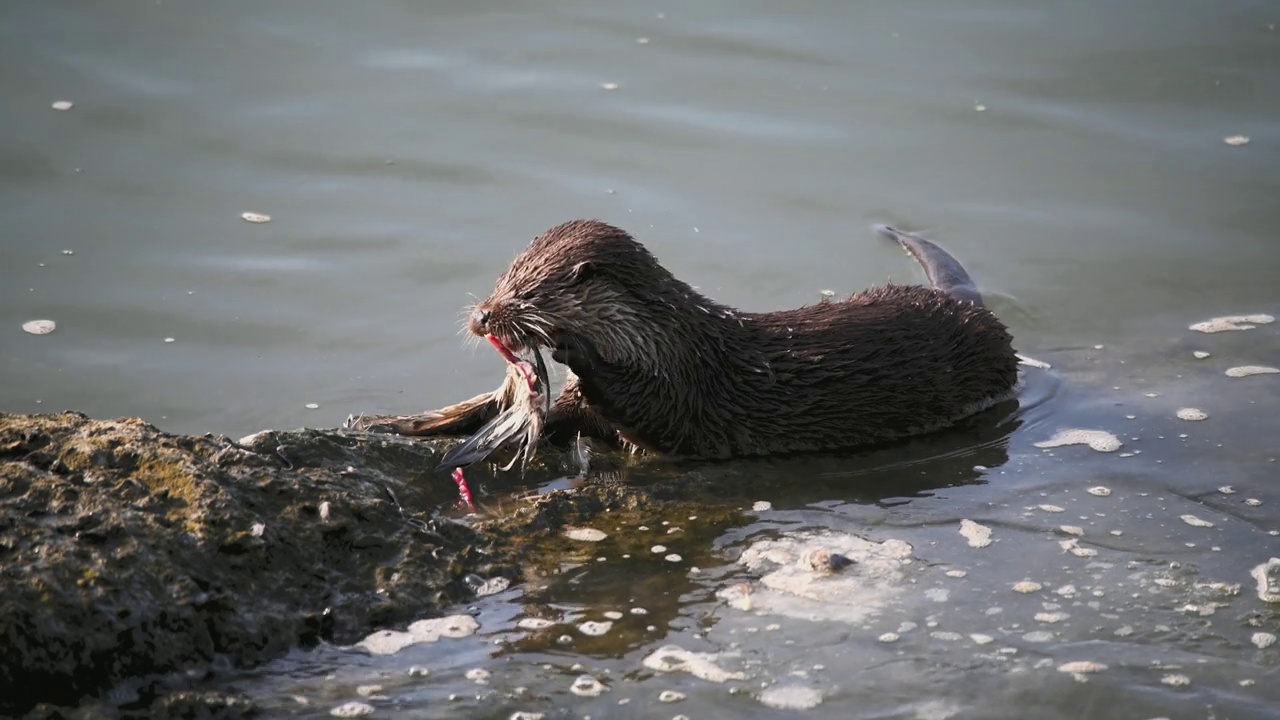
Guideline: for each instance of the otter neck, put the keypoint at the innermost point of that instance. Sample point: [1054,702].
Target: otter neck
[693,333]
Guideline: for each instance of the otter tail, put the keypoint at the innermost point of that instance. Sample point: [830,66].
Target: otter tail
[944,272]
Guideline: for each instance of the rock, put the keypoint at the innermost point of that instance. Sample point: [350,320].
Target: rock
[132,558]
[126,552]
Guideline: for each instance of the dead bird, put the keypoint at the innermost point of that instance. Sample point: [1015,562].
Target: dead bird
[523,419]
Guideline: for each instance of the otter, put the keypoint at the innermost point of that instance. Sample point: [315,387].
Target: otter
[659,366]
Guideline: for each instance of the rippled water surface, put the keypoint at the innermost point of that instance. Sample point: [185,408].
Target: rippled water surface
[1071,154]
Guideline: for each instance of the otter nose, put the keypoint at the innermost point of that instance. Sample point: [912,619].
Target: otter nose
[479,321]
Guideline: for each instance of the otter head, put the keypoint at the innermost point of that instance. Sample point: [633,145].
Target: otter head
[581,279]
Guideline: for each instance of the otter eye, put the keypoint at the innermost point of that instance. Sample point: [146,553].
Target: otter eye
[581,271]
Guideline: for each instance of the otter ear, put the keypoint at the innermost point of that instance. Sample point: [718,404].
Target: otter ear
[582,271]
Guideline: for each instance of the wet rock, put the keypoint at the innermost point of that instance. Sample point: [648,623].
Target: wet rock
[126,552]
[132,555]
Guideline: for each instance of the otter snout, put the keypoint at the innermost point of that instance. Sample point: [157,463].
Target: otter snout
[478,323]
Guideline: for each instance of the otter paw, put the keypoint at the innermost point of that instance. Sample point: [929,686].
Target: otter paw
[578,353]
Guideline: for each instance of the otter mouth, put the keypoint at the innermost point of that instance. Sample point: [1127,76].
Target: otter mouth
[534,372]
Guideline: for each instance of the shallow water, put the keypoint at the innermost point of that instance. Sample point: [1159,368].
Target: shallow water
[405,151]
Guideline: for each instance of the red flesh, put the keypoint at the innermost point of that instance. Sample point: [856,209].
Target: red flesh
[463,490]
[522,365]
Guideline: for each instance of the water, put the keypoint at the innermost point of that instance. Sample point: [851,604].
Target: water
[406,151]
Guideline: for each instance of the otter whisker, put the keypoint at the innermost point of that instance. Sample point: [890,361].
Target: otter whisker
[540,326]
[543,334]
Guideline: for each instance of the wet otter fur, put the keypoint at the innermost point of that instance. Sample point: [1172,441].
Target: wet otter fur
[664,368]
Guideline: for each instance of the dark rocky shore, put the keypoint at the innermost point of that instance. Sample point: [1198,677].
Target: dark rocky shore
[132,560]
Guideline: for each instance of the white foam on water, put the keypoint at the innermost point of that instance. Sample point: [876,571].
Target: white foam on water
[39,327]
[389,642]
[1099,440]
[790,587]
[1247,370]
[673,658]
[790,697]
[979,536]
[585,534]
[1232,322]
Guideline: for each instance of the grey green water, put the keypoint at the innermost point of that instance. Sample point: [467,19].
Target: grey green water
[1071,154]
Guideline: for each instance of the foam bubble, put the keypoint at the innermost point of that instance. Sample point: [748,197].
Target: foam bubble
[1082,666]
[1099,440]
[1049,618]
[389,642]
[587,686]
[1194,521]
[1247,370]
[595,629]
[1232,322]
[790,697]
[352,709]
[39,327]
[585,534]
[673,658]
[979,536]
